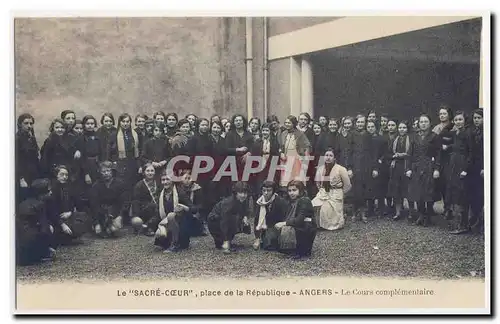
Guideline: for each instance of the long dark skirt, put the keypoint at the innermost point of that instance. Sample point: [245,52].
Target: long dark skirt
[475,190]
[456,193]
[184,236]
[398,181]
[421,185]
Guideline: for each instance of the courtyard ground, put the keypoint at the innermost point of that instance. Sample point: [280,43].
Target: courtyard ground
[380,248]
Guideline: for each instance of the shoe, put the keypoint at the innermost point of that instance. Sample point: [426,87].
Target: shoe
[396,217]
[256,244]
[459,231]
[149,233]
[172,249]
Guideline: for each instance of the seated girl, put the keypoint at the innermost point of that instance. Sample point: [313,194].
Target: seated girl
[69,221]
[193,191]
[34,234]
[333,182]
[230,217]
[298,231]
[107,199]
[270,209]
[175,209]
[145,202]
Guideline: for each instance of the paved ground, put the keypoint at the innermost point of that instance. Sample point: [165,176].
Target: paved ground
[379,248]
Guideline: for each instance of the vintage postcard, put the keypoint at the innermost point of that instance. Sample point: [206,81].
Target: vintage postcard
[329,164]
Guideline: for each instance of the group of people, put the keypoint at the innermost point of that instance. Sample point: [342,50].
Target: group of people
[86,178]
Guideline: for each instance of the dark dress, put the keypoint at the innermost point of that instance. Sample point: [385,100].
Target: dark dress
[377,187]
[145,204]
[345,146]
[92,154]
[195,220]
[276,212]
[424,159]
[445,137]
[398,181]
[66,198]
[300,216]
[127,167]
[27,163]
[386,163]
[33,236]
[475,182]
[108,203]
[106,142]
[226,219]
[57,150]
[460,160]
[257,179]
[156,150]
[219,188]
[362,166]
[233,141]
[142,137]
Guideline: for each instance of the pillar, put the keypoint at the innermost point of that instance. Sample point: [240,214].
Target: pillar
[306,86]
[295,86]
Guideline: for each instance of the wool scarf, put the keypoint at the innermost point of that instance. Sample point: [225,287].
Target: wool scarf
[161,203]
[122,153]
[261,224]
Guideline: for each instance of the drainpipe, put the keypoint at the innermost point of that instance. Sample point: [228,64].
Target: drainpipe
[266,69]
[248,62]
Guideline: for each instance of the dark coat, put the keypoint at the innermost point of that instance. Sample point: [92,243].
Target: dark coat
[276,212]
[228,214]
[398,181]
[57,150]
[304,209]
[460,160]
[105,201]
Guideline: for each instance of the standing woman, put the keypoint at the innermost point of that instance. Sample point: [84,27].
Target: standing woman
[398,159]
[227,127]
[140,129]
[159,117]
[276,129]
[27,152]
[384,120]
[304,126]
[156,150]
[328,139]
[389,135]
[323,123]
[193,122]
[222,187]
[254,126]
[239,142]
[299,226]
[372,117]
[362,167]
[69,119]
[178,143]
[214,118]
[294,145]
[424,169]
[171,129]
[333,182]
[91,151]
[56,149]
[475,175]
[105,134]
[459,165]
[377,152]
[445,138]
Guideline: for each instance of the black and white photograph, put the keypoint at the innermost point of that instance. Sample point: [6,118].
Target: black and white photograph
[245,150]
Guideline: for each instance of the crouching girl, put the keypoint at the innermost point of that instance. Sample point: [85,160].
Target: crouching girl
[70,223]
[107,199]
[230,217]
[145,202]
[298,231]
[270,210]
[175,210]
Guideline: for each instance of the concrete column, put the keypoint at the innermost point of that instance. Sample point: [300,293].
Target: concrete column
[306,86]
[295,86]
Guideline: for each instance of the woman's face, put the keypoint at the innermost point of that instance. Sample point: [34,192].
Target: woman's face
[371,128]
[254,125]
[106,173]
[322,120]
[216,129]
[317,129]
[59,129]
[27,124]
[478,120]
[62,176]
[391,126]
[372,117]
[266,132]
[347,124]
[383,122]
[332,126]
[149,172]
[125,123]
[424,123]
[166,181]
[171,121]
[288,124]
[459,121]
[360,123]
[293,192]
[149,128]
[241,196]
[160,118]
[191,119]
[203,127]
[70,119]
[402,129]
[139,123]
[78,129]
[90,125]
[185,128]
[275,125]
[215,119]
[303,120]
[267,193]
[157,132]
[186,179]
[329,157]
[107,122]
[227,127]
[443,115]
[238,122]
[415,125]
